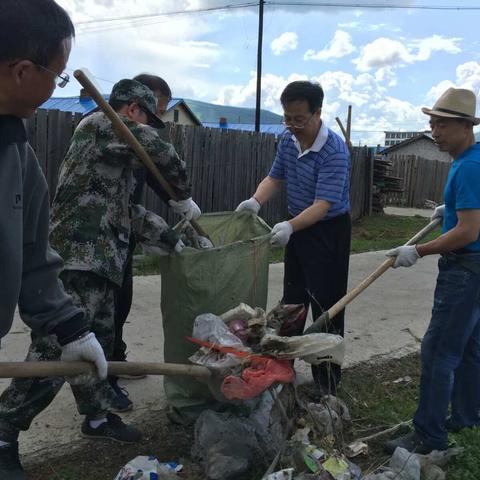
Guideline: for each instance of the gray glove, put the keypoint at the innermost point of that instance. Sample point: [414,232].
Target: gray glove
[186,208]
[86,349]
[406,256]
[439,212]
[281,234]
[251,204]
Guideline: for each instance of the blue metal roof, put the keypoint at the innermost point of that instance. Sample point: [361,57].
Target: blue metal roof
[275,129]
[85,105]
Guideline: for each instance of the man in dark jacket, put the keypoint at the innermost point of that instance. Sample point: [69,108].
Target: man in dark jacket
[35,43]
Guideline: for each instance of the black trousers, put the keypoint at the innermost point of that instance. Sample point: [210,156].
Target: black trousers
[316,274]
[123,304]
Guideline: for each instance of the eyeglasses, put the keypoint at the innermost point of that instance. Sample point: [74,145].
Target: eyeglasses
[61,79]
[298,126]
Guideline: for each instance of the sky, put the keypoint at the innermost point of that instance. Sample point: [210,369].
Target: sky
[387,63]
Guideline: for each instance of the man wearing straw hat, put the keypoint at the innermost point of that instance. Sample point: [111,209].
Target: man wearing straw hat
[450,352]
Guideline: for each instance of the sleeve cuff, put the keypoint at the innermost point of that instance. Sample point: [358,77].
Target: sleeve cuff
[70,330]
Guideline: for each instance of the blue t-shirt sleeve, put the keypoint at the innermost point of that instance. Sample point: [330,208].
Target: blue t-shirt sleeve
[332,177]
[278,170]
[467,186]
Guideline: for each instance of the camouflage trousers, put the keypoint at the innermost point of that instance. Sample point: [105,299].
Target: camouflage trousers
[25,398]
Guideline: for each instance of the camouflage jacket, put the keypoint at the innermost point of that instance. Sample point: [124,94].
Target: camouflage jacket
[91,220]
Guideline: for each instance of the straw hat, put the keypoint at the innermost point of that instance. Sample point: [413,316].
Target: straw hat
[455,103]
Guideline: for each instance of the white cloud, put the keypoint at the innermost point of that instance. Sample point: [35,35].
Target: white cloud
[340,46]
[369,27]
[286,42]
[467,76]
[244,95]
[385,52]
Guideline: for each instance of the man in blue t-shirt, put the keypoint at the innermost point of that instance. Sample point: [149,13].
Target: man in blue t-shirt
[450,352]
[314,163]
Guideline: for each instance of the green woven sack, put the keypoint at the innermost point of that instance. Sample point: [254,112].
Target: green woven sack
[211,281]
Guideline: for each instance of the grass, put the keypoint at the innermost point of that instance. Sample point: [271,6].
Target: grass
[375,399]
[377,232]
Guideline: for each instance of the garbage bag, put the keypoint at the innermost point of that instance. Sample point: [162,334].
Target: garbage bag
[214,281]
[229,445]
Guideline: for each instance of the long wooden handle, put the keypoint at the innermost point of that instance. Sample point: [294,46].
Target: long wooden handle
[66,369]
[344,301]
[124,132]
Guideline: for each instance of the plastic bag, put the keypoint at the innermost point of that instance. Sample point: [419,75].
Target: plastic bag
[255,379]
[313,348]
[148,468]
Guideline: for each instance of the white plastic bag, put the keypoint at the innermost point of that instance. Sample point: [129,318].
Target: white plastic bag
[148,468]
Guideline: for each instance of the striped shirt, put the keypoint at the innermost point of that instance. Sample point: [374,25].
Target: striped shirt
[319,173]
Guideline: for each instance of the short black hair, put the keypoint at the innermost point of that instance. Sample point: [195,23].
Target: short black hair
[118,104]
[154,83]
[33,30]
[303,90]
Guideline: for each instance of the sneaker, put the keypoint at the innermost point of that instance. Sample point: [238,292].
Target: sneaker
[410,442]
[112,429]
[10,466]
[121,403]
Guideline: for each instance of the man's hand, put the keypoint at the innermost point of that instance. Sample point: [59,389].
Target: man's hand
[186,208]
[251,204]
[281,234]
[406,256]
[439,212]
[86,349]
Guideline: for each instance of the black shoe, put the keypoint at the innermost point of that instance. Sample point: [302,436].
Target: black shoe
[410,442]
[453,427]
[121,403]
[113,429]
[10,466]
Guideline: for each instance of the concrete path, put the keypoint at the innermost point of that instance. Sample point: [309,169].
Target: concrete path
[408,212]
[385,320]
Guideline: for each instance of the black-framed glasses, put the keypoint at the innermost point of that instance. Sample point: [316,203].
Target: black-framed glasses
[61,79]
[298,126]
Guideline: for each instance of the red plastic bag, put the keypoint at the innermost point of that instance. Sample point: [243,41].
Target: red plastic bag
[262,373]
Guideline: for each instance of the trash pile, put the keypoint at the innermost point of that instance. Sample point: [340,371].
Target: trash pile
[250,354]
[149,468]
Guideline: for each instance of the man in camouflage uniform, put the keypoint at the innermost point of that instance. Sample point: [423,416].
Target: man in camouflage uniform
[91,223]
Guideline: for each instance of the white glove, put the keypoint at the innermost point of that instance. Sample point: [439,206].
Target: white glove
[439,212]
[186,208]
[179,247]
[85,349]
[281,234]
[406,256]
[251,204]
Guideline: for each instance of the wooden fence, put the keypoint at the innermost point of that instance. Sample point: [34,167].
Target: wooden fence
[225,166]
[424,179]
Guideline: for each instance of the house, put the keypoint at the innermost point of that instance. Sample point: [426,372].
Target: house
[275,129]
[394,137]
[177,110]
[422,146]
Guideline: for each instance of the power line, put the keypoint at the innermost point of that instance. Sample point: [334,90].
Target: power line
[168,14]
[389,6]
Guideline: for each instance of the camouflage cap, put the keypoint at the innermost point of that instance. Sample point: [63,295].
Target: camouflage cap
[127,90]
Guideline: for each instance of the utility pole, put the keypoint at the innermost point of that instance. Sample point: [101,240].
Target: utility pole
[261,4]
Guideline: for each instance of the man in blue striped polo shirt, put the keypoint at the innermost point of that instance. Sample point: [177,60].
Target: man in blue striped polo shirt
[314,163]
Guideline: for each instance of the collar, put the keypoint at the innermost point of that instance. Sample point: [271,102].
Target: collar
[318,143]
[12,130]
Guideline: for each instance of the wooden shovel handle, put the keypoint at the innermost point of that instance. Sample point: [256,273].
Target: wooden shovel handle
[344,301]
[124,132]
[67,369]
